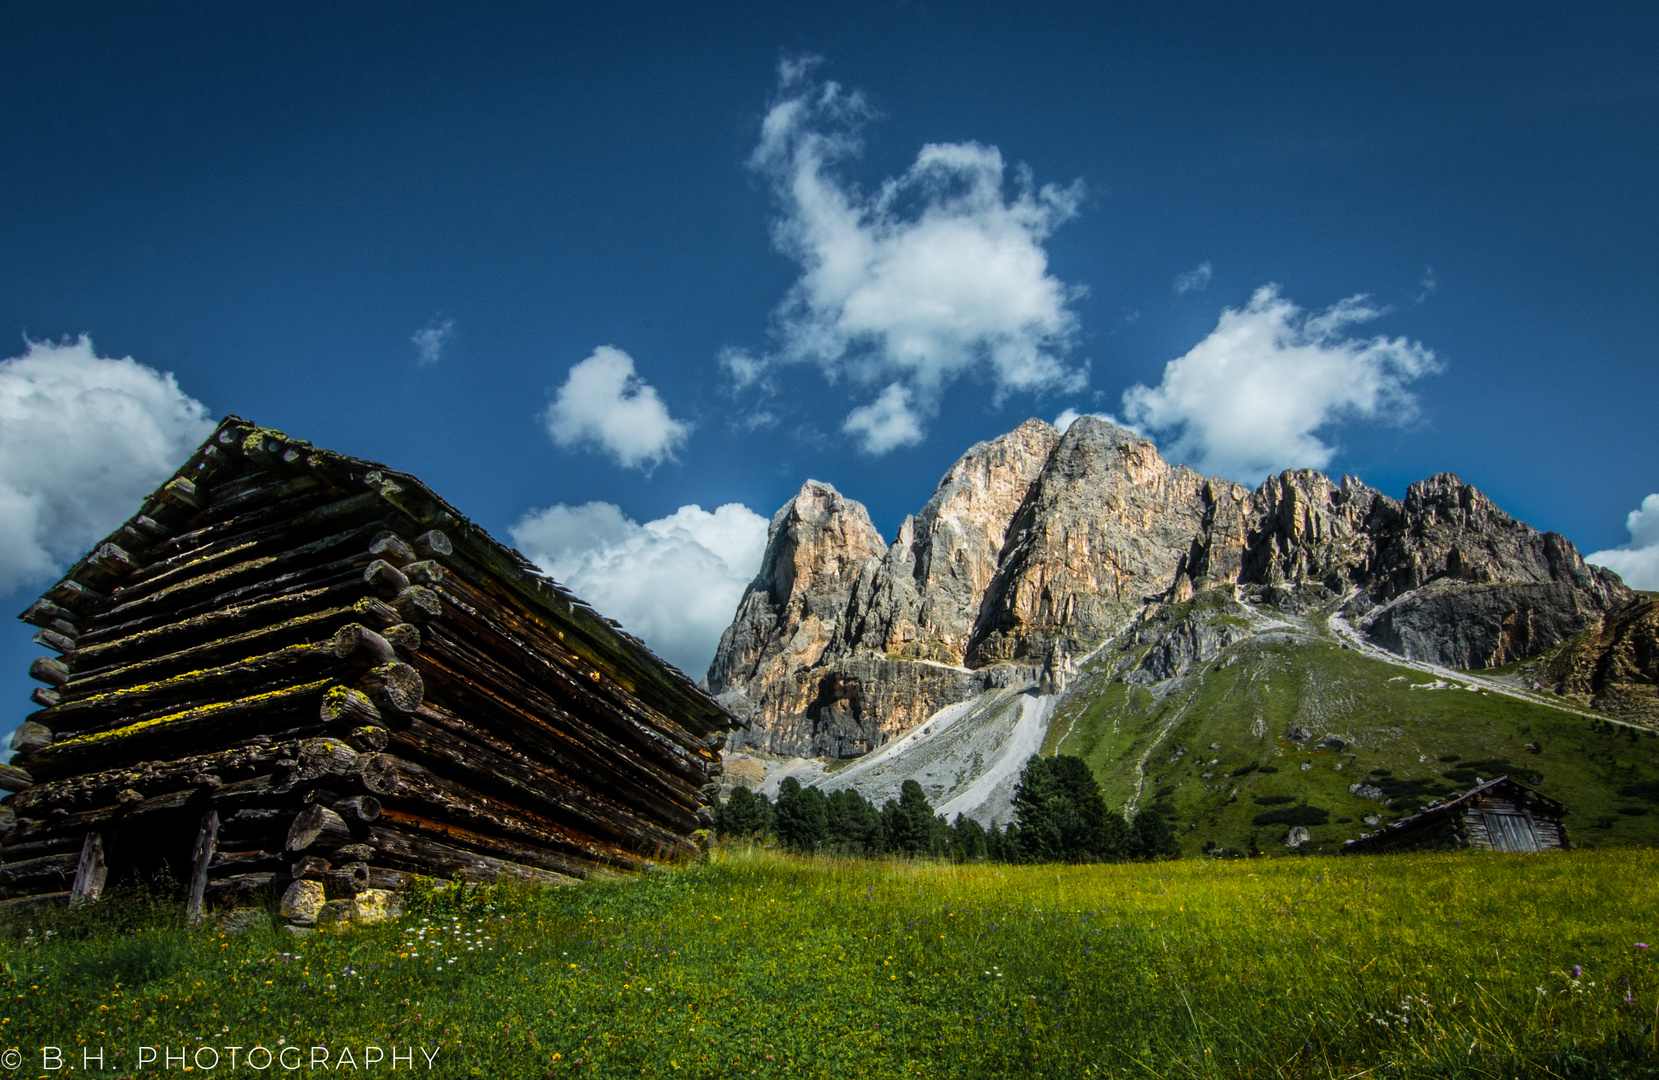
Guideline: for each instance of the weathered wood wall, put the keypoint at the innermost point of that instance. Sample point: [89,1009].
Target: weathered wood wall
[309,667]
[1463,822]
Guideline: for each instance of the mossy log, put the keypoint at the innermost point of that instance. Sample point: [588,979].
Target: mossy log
[220,628]
[266,632]
[304,662]
[277,708]
[256,562]
[154,777]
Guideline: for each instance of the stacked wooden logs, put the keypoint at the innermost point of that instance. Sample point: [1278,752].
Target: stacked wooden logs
[296,666]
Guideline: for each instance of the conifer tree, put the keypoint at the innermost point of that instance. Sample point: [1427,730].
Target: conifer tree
[915,833]
[801,818]
[968,839]
[854,825]
[1154,839]
[743,815]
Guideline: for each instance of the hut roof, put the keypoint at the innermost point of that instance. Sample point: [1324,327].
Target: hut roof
[598,639]
[1533,796]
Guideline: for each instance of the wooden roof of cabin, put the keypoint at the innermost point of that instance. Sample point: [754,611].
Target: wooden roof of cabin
[597,639]
[1407,823]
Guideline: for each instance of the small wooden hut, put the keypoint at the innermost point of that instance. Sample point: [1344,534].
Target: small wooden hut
[297,666]
[1499,815]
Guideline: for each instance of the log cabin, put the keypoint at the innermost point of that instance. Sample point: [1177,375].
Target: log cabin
[1499,815]
[297,666]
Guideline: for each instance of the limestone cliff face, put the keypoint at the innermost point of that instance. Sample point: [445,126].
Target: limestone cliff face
[924,599]
[1614,666]
[1105,531]
[817,547]
[1038,543]
[842,642]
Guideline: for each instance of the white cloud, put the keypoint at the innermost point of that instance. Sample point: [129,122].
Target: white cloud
[1250,398]
[1070,416]
[1195,280]
[939,273]
[1638,561]
[605,406]
[83,439]
[431,339]
[886,423]
[674,582]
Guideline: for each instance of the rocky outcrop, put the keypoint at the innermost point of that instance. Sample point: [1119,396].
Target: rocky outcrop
[1108,528]
[841,641]
[1193,638]
[1614,666]
[1038,544]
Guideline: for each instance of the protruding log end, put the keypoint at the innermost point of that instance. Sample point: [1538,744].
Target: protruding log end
[71,593]
[425,572]
[396,685]
[184,494]
[44,612]
[112,559]
[327,757]
[367,739]
[418,604]
[379,775]
[49,670]
[358,643]
[376,612]
[384,578]
[31,736]
[433,544]
[13,778]
[393,548]
[317,825]
[45,698]
[343,705]
[364,808]
[404,636]
[54,640]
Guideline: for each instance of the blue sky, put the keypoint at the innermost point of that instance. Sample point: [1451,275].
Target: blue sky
[394,230]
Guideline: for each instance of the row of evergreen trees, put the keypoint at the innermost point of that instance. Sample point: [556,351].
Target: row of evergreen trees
[1060,815]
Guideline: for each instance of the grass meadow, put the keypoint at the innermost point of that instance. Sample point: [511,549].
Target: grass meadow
[760,964]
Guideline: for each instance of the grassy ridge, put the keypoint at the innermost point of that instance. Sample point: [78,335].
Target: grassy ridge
[758,964]
[1410,744]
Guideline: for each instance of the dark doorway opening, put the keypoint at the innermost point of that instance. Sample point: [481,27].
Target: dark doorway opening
[157,852]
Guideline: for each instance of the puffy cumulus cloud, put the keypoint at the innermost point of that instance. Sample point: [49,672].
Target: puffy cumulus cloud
[1069,416]
[1195,280]
[886,423]
[1638,561]
[431,339]
[674,582]
[1252,397]
[605,406]
[83,438]
[939,272]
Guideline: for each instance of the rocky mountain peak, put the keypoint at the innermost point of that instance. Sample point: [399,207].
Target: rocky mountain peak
[1038,543]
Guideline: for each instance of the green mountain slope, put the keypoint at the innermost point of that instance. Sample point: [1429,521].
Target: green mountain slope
[1239,721]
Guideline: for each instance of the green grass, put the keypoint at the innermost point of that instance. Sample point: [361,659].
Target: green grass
[759,964]
[1249,699]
